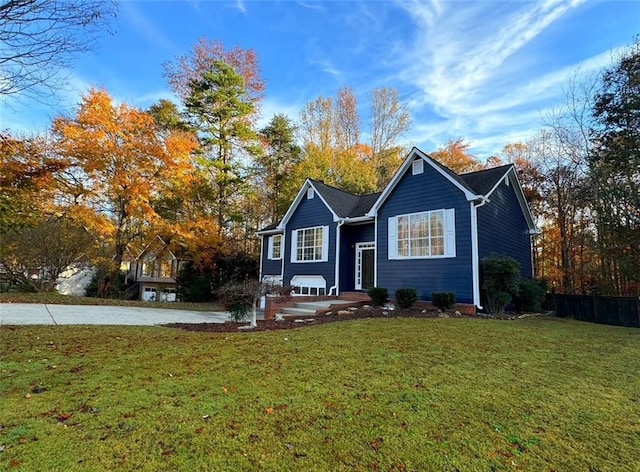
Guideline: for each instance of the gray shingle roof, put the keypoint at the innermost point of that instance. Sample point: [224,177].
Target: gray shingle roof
[345,204]
[483,181]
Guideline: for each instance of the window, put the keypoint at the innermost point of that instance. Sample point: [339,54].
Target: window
[310,193]
[147,268]
[275,247]
[310,244]
[417,167]
[314,285]
[422,235]
[165,268]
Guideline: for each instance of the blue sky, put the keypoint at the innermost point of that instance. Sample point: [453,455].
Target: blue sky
[485,71]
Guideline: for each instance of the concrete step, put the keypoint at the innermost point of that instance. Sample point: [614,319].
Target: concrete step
[297,311]
[321,305]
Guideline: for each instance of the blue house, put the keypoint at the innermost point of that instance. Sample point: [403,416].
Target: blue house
[429,229]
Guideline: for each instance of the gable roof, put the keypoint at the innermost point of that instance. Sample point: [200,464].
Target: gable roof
[158,243]
[483,182]
[451,176]
[345,204]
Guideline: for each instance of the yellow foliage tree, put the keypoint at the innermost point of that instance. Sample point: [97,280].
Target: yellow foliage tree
[116,161]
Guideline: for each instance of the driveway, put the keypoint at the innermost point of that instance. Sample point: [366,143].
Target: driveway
[40,314]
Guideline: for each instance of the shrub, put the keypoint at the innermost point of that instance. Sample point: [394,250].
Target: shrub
[406,297]
[443,300]
[379,296]
[501,280]
[531,295]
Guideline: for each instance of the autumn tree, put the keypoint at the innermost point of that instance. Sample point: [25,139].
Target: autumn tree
[40,38]
[390,120]
[276,164]
[333,148]
[205,53]
[27,180]
[115,159]
[614,169]
[455,155]
[219,108]
[34,257]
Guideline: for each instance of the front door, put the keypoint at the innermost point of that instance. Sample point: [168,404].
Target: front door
[365,265]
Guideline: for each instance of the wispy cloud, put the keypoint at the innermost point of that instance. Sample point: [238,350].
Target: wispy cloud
[147,29]
[464,63]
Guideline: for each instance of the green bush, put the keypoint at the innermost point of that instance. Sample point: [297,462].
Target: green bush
[443,300]
[379,296]
[501,281]
[406,297]
[531,295]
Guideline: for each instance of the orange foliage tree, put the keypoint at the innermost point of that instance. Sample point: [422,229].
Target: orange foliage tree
[455,155]
[115,159]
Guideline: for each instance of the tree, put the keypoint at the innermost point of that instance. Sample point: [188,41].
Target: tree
[167,117]
[115,159]
[41,37]
[203,57]
[27,180]
[275,166]
[33,258]
[390,119]
[242,298]
[614,168]
[220,109]
[455,155]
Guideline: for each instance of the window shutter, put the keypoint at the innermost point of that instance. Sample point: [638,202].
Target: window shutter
[294,244]
[325,243]
[270,248]
[450,233]
[393,238]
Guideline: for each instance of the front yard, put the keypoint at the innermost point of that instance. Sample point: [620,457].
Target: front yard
[373,394]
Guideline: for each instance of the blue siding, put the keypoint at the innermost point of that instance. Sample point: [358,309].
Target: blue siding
[349,236]
[269,267]
[503,229]
[311,213]
[423,192]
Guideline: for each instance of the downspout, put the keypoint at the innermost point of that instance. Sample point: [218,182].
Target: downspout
[337,262]
[475,259]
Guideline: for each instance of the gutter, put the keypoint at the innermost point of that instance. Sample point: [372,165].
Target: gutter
[475,260]
[337,260]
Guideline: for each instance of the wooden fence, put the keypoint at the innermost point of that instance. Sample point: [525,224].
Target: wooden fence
[618,311]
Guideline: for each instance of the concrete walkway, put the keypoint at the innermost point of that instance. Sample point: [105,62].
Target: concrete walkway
[40,314]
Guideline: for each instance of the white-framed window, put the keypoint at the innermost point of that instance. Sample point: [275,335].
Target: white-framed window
[310,244]
[310,193]
[275,247]
[147,268]
[417,167]
[309,285]
[429,234]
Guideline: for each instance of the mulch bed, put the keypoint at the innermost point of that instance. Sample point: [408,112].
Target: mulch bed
[272,325]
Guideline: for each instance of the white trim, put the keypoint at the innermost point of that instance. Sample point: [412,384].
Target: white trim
[310,282]
[417,167]
[292,208]
[415,154]
[475,262]
[375,254]
[271,246]
[366,246]
[324,256]
[449,235]
[336,277]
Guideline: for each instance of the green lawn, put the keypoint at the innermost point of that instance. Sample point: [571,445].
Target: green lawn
[382,394]
[54,298]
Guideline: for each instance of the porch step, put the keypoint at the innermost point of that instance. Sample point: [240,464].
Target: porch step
[297,312]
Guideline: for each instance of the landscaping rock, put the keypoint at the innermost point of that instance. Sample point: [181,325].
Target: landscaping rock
[344,312]
[279,317]
[457,313]
[353,308]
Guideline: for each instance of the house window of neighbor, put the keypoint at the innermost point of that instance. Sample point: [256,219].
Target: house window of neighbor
[165,269]
[275,247]
[421,235]
[417,167]
[147,269]
[309,244]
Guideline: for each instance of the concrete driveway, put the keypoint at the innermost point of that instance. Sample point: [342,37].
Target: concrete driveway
[40,314]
